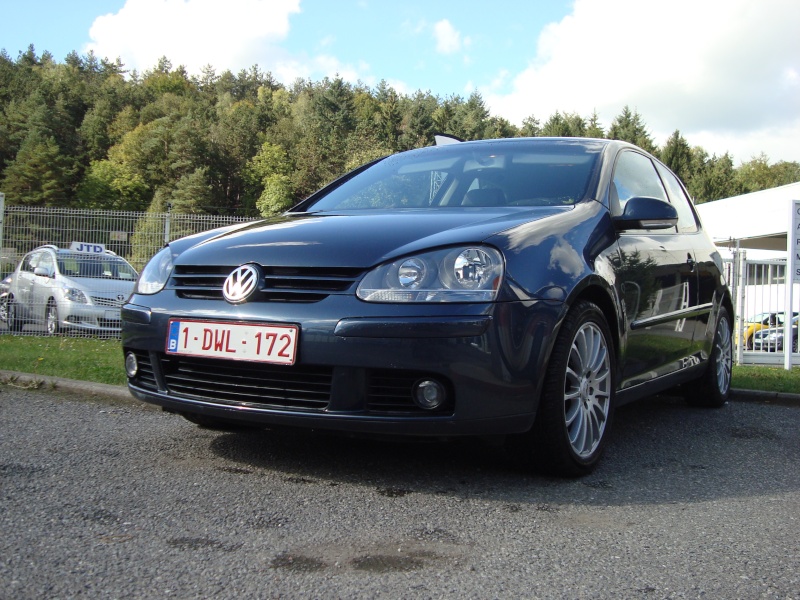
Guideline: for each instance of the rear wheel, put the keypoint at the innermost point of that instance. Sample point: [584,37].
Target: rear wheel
[576,406]
[714,387]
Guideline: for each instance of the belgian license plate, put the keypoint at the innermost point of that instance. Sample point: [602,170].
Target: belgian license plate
[233,341]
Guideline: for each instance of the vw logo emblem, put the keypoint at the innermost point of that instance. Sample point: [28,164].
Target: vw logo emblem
[240,284]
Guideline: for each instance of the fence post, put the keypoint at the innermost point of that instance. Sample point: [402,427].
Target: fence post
[792,277]
[739,270]
[2,217]
[167,224]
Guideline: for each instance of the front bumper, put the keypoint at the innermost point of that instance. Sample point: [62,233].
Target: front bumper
[92,322]
[768,345]
[357,373]
[90,317]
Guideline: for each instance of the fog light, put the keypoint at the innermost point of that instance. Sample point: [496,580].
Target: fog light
[429,394]
[131,364]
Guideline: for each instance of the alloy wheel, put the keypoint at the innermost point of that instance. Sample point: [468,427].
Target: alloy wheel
[724,350]
[587,389]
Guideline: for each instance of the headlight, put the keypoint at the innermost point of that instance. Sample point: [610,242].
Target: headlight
[156,273]
[75,295]
[464,274]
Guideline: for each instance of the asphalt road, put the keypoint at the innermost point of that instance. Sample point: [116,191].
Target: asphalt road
[114,499]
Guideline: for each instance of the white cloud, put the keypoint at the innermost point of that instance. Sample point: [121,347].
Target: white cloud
[401,87]
[778,143]
[414,28]
[193,33]
[317,67]
[448,39]
[500,80]
[196,33]
[724,71]
[327,41]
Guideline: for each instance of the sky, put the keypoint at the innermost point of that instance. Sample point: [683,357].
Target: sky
[725,73]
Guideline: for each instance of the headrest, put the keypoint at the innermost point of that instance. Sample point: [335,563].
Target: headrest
[484,197]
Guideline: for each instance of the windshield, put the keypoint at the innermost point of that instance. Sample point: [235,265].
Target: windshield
[106,266]
[516,173]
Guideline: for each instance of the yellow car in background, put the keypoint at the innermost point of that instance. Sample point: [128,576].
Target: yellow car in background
[759,322]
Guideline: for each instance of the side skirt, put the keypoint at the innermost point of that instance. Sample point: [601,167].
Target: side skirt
[656,386]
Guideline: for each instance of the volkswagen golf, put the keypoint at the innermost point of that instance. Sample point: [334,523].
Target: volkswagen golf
[523,288]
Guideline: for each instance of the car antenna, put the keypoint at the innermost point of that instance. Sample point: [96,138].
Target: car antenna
[444,139]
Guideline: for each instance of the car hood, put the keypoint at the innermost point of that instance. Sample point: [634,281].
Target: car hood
[352,239]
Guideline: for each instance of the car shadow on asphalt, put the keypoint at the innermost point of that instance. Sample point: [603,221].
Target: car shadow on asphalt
[660,451]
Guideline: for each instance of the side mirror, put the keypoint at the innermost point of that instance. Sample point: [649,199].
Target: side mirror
[646,213]
[42,272]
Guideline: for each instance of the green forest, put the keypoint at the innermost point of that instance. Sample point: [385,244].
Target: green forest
[87,133]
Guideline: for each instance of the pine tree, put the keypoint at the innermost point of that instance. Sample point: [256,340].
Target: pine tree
[629,127]
[38,175]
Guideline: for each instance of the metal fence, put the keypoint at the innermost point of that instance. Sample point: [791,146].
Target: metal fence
[90,305]
[759,292]
[81,292]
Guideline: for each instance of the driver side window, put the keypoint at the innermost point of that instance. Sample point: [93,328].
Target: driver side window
[634,176]
[30,262]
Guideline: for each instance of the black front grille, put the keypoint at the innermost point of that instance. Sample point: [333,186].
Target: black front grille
[200,282]
[249,384]
[300,388]
[279,284]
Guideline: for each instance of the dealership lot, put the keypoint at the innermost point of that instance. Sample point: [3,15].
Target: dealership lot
[116,499]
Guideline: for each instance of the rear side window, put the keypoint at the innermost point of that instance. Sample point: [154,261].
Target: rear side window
[46,262]
[678,198]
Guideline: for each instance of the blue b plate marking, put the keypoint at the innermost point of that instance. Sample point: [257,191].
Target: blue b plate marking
[172,338]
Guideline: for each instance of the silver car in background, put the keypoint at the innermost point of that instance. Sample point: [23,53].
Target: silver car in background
[60,289]
[772,339]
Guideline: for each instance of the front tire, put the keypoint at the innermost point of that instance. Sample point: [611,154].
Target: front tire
[577,402]
[14,323]
[51,319]
[715,384]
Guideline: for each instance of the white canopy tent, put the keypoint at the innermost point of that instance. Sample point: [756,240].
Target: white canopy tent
[758,220]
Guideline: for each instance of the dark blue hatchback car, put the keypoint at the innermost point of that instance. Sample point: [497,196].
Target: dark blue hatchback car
[519,287]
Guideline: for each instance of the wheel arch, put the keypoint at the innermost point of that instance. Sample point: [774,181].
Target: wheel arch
[600,293]
[727,302]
